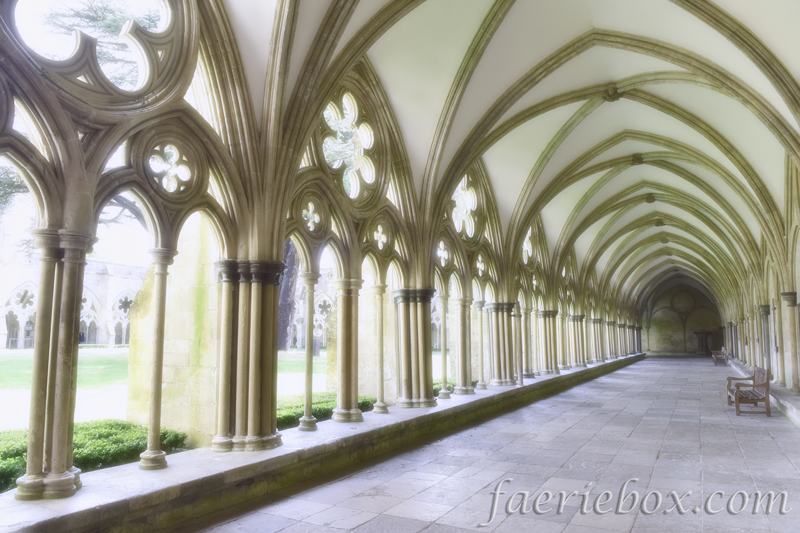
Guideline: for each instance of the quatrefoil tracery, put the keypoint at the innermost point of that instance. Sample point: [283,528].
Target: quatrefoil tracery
[170,168]
[346,147]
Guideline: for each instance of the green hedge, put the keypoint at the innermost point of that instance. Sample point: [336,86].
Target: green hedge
[97,444]
[291,408]
[451,383]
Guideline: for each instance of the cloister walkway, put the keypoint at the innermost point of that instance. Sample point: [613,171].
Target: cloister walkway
[660,422]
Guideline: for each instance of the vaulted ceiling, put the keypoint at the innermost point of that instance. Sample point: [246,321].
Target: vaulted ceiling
[650,137]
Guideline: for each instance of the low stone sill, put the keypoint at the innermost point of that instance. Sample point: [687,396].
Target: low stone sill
[200,482]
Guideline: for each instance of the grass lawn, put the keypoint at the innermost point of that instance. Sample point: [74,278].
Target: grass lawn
[96,368]
[294,362]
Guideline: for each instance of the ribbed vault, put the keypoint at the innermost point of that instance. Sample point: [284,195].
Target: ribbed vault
[644,140]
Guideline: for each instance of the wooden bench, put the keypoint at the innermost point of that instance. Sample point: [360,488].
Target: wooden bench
[720,356]
[755,391]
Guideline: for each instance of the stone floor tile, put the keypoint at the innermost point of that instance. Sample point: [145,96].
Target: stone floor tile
[294,508]
[391,524]
[420,510]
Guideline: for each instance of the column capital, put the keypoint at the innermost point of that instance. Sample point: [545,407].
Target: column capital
[46,238]
[379,290]
[348,286]
[72,240]
[597,320]
[548,312]
[478,304]
[309,278]
[228,269]
[610,323]
[401,296]
[163,256]
[631,326]
[492,307]
[422,295]
[790,298]
[267,272]
[243,267]
[764,309]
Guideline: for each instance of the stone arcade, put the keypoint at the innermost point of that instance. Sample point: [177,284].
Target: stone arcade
[535,187]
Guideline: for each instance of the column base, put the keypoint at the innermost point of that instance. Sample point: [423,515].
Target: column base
[30,487]
[579,365]
[428,402]
[794,390]
[253,443]
[152,460]
[495,382]
[563,367]
[271,441]
[444,394]
[221,444]
[238,443]
[380,408]
[405,403]
[59,486]
[307,423]
[347,415]
[463,390]
[480,386]
[529,375]
[77,479]
[548,371]
[509,382]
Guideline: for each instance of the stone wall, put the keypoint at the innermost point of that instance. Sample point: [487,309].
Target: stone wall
[674,317]
[189,378]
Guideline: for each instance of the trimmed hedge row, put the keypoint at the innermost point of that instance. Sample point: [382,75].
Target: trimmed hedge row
[290,408]
[97,444]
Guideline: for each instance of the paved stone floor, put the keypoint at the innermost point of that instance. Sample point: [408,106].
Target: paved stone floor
[660,422]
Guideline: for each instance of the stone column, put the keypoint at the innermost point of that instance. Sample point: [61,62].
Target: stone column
[777,349]
[222,441]
[31,485]
[508,349]
[527,343]
[518,355]
[55,320]
[481,371]
[242,356]
[154,458]
[444,393]
[308,421]
[611,327]
[347,402]
[407,366]
[790,326]
[463,386]
[494,338]
[271,276]
[742,334]
[621,329]
[379,291]
[766,359]
[253,441]
[582,347]
[423,299]
[468,360]
[535,333]
[561,342]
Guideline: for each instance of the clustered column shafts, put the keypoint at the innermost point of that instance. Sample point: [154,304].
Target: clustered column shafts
[550,343]
[31,485]
[495,340]
[413,323]
[517,326]
[308,422]
[481,369]
[252,331]
[379,291]
[347,345]
[444,393]
[154,457]
[227,270]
